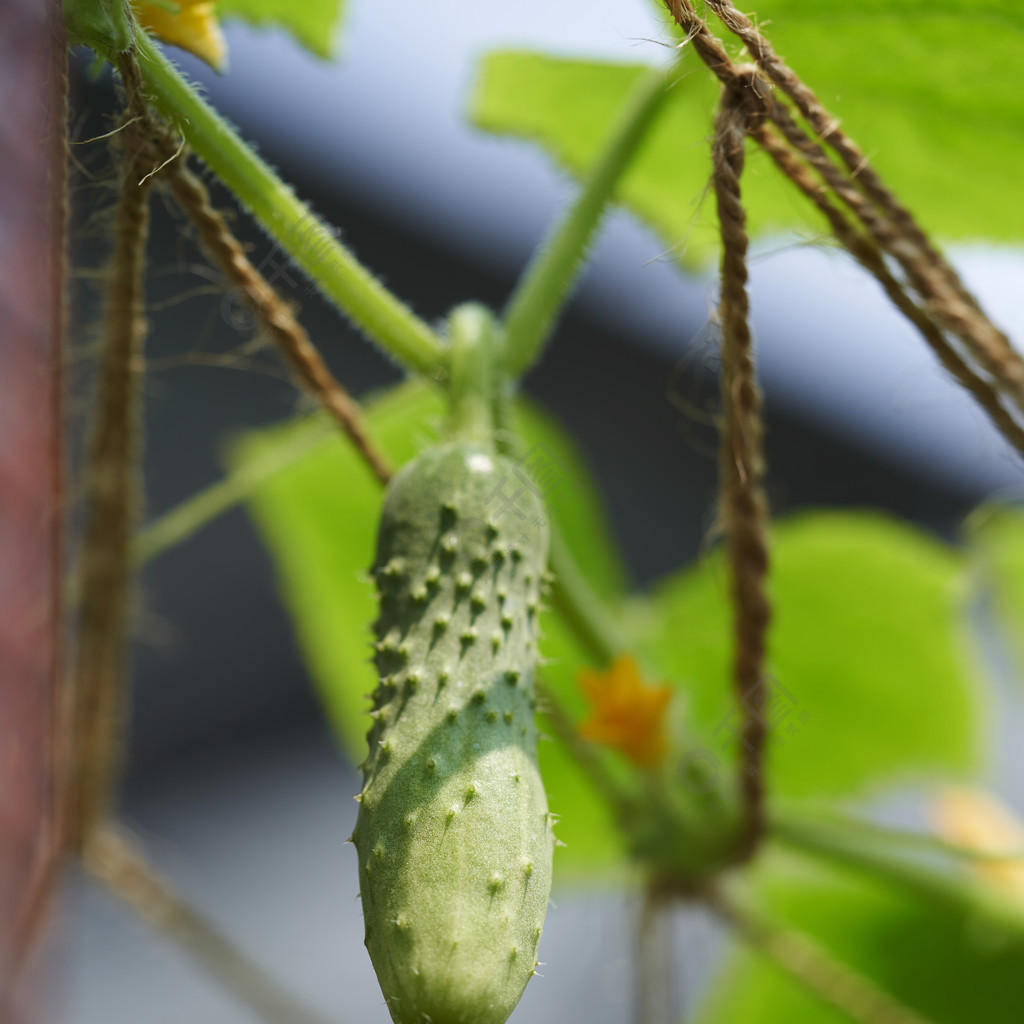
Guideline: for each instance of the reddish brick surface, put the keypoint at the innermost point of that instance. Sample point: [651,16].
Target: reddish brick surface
[31,230]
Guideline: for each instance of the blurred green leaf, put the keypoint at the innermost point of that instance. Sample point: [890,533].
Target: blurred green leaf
[319,520]
[996,536]
[941,123]
[313,23]
[867,655]
[934,958]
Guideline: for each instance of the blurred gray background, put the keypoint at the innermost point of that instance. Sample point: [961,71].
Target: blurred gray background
[233,780]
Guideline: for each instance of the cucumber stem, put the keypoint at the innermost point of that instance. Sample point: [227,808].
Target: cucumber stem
[473,336]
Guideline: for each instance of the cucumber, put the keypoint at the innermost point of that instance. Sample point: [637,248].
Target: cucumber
[454,836]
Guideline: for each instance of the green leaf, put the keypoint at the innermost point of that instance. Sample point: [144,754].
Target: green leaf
[314,23]
[996,536]
[905,78]
[870,677]
[319,519]
[933,958]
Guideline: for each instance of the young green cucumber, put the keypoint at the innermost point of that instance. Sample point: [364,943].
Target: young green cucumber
[454,836]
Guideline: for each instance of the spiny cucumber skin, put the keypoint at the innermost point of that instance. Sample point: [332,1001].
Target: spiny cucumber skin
[454,836]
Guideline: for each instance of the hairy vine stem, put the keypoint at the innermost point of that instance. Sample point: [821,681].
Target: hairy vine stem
[744,508]
[295,228]
[546,282]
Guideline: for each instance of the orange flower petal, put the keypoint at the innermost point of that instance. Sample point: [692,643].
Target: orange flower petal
[627,715]
[190,24]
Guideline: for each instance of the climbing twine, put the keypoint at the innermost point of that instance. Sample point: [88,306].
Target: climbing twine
[95,707]
[744,508]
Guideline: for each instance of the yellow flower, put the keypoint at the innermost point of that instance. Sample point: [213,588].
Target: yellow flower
[627,715]
[190,24]
[976,820]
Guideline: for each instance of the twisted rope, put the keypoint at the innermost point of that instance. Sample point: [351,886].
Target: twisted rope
[945,299]
[743,506]
[112,497]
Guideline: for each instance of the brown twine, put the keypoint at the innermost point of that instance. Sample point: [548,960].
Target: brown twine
[744,508]
[709,48]
[226,252]
[291,337]
[826,126]
[940,288]
[956,314]
[869,256]
[98,702]
[937,282]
